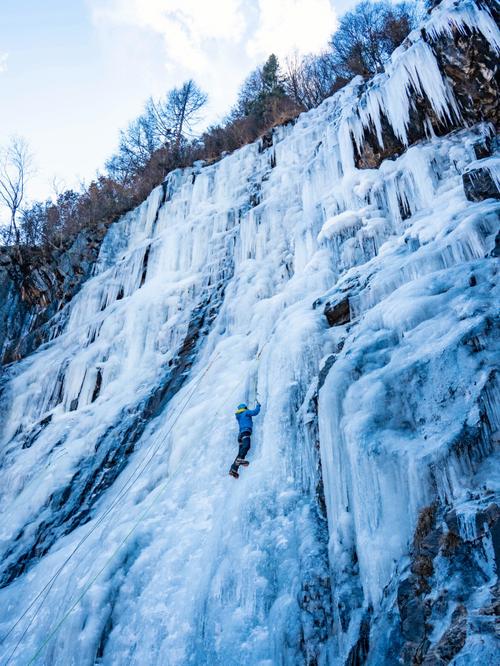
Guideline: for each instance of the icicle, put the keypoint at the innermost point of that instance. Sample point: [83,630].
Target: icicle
[452,14]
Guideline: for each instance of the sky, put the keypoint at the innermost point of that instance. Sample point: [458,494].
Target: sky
[73,72]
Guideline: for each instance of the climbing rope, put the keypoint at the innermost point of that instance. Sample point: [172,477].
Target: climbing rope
[255,386]
[257,357]
[92,580]
[131,481]
[127,486]
[107,514]
[96,576]
[181,461]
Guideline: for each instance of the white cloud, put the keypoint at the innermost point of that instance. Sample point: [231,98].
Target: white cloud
[218,42]
[292,25]
[3,62]
[185,25]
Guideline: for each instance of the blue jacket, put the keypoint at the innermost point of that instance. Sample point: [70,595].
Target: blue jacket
[245,418]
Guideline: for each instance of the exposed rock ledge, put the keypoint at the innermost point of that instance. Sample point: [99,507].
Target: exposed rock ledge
[472,71]
[36,284]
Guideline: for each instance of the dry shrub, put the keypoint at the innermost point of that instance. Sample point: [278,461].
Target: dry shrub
[425,524]
[449,543]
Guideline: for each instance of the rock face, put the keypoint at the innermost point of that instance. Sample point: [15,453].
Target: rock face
[472,72]
[338,313]
[360,306]
[479,184]
[35,285]
[445,574]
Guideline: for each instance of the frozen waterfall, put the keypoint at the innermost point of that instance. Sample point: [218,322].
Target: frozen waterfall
[123,540]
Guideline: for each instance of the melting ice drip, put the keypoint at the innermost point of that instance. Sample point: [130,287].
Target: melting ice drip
[129,406]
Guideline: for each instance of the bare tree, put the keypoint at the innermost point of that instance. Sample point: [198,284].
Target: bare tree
[293,77]
[58,185]
[16,166]
[311,79]
[369,33]
[33,224]
[137,144]
[163,127]
[160,121]
[177,114]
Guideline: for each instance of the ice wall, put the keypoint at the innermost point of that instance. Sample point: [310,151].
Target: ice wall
[122,538]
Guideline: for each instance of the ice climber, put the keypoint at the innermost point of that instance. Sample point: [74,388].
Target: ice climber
[244,417]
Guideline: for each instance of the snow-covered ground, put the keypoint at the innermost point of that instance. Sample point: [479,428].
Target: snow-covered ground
[122,537]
